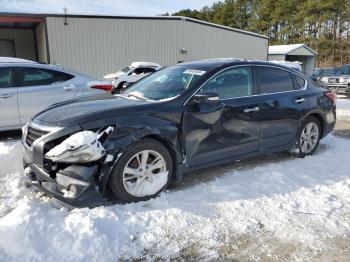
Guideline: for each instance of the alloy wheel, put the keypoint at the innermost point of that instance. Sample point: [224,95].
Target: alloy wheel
[145,173]
[309,137]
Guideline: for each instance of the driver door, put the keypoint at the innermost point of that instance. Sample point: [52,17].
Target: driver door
[226,128]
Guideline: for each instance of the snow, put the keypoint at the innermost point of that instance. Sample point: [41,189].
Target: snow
[268,208]
[343,108]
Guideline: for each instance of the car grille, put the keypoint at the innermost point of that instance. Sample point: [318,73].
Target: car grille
[33,134]
[333,80]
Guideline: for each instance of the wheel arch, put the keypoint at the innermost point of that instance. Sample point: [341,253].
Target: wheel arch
[168,145]
[320,118]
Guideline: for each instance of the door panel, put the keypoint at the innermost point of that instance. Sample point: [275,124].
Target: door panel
[40,88]
[221,130]
[9,116]
[282,105]
[215,130]
[280,116]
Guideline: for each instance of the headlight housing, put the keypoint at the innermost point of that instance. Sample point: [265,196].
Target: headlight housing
[343,80]
[81,147]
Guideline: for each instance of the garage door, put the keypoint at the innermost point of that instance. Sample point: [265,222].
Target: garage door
[7,48]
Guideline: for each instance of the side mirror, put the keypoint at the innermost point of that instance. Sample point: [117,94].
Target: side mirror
[206,97]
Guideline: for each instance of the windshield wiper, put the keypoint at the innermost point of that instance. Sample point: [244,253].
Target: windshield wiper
[136,96]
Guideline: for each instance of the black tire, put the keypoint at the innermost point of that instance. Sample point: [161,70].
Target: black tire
[116,183]
[298,150]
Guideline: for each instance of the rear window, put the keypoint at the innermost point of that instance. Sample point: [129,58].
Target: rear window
[273,80]
[38,76]
[5,77]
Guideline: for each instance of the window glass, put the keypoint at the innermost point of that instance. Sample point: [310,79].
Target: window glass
[38,76]
[300,82]
[125,69]
[272,80]
[164,84]
[236,82]
[5,77]
[148,70]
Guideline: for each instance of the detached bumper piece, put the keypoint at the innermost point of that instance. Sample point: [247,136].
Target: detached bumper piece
[74,185]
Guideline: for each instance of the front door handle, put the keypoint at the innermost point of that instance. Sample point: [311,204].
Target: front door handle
[299,100]
[252,109]
[4,96]
[67,88]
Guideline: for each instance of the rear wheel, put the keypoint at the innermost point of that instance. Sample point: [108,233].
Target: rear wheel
[308,137]
[142,172]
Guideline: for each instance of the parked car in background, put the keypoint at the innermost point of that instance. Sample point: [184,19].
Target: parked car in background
[291,64]
[27,87]
[338,80]
[320,72]
[179,119]
[131,74]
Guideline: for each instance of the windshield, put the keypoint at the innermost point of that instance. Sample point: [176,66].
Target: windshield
[164,84]
[345,69]
[125,69]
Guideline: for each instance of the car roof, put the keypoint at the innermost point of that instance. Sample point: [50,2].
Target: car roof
[209,64]
[4,59]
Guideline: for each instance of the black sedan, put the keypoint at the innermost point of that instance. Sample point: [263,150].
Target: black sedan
[182,118]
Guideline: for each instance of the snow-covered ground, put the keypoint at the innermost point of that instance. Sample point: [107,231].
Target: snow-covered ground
[343,110]
[268,208]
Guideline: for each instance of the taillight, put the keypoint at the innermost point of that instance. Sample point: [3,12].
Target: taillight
[108,88]
[332,96]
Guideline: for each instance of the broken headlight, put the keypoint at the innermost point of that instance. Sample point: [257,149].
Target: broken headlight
[81,147]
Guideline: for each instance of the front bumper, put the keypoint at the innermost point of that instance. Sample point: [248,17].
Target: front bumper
[341,88]
[88,194]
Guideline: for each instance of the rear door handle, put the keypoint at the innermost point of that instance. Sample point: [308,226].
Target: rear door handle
[299,100]
[4,96]
[252,109]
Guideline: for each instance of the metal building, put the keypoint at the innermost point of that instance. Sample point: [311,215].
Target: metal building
[97,45]
[296,52]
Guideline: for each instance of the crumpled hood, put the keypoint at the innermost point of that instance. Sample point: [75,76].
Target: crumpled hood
[85,109]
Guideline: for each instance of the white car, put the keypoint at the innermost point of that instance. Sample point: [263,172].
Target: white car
[27,87]
[131,73]
[291,64]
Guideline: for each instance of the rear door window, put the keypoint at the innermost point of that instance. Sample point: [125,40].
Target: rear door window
[38,76]
[6,77]
[273,80]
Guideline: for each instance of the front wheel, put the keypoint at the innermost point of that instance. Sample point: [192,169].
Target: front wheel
[308,137]
[142,172]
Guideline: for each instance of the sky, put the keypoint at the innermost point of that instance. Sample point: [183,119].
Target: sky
[106,7]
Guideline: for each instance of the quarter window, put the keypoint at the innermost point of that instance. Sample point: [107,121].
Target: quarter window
[300,82]
[38,76]
[232,83]
[273,80]
[6,77]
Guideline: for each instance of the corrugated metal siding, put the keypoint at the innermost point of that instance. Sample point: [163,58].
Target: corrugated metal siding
[24,41]
[97,46]
[277,57]
[41,43]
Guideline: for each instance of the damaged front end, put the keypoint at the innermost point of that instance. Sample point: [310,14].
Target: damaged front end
[72,167]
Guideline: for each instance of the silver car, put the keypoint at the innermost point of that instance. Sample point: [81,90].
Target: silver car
[26,87]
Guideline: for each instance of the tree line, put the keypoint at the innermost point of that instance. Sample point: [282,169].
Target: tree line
[324,25]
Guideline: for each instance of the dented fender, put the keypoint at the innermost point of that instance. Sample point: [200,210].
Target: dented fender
[122,138]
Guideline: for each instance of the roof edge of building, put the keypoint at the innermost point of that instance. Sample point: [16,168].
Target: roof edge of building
[183,18]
